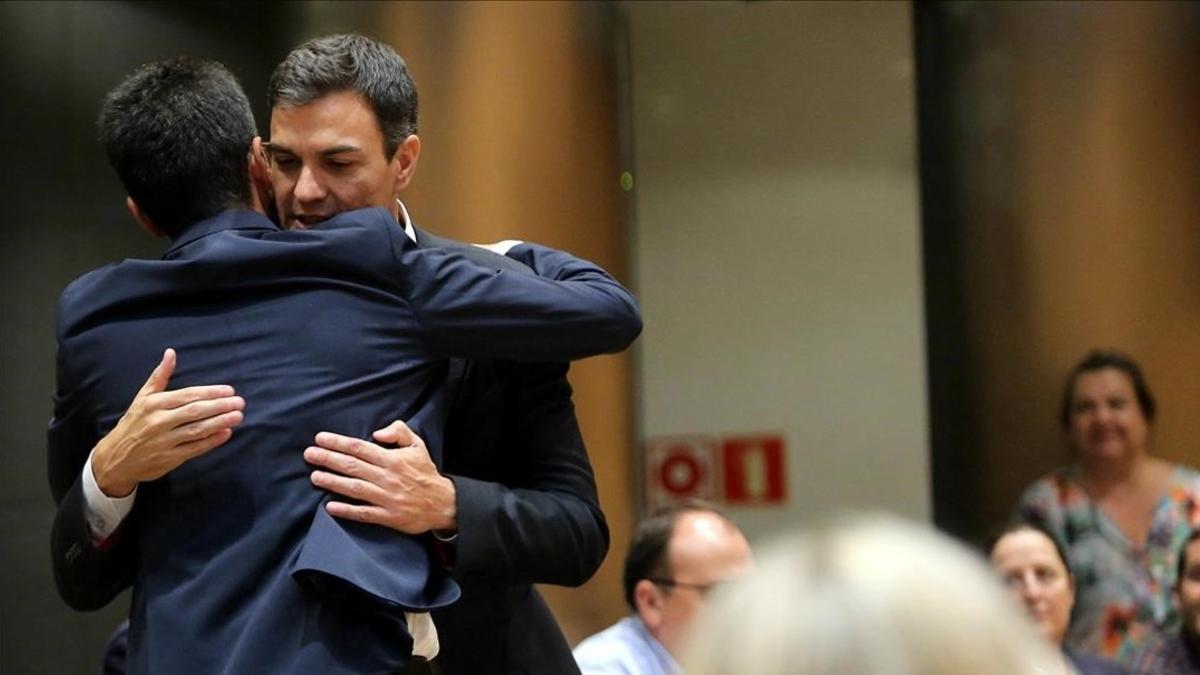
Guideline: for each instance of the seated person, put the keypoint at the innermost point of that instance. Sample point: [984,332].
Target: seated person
[676,556]
[1119,511]
[1033,566]
[1178,653]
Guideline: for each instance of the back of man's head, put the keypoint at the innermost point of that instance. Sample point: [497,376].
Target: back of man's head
[353,63]
[177,132]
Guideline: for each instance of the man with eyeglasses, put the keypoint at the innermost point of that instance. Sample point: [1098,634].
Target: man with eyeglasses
[677,555]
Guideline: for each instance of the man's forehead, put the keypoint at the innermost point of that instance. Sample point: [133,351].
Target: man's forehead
[336,123]
[698,535]
[334,104]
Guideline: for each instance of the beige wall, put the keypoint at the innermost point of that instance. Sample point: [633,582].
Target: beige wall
[776,242]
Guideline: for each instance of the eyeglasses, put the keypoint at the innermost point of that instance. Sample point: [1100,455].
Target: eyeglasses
[702,589]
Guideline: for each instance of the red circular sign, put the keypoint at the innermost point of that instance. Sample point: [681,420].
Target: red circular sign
[680,473]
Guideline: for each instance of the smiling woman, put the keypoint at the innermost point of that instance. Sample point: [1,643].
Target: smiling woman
[1121,514]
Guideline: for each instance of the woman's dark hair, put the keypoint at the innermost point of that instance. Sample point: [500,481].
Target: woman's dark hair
[993,540]
[1101,359]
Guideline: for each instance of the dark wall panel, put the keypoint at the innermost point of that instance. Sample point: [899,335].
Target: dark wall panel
[64,215]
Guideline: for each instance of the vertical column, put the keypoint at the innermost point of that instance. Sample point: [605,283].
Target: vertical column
[519,130]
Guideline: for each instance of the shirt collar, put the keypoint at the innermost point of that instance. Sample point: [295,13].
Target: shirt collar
[252,220]
[664,658]
[233,219]
[405,221]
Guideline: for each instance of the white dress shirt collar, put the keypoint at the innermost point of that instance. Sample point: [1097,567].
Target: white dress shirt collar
[405,221]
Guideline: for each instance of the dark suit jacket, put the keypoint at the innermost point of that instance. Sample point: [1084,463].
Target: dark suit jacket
[235,566]
[528,513]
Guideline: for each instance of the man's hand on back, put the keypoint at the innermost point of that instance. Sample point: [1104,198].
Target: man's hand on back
[163,429]
[399,488]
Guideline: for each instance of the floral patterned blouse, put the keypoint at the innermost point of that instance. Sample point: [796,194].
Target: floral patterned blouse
[1123,591]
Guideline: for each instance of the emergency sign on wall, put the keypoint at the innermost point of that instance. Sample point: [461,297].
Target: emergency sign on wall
[736,470]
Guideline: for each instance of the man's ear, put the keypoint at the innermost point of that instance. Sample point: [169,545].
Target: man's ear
[648,601]
[142,219]
[404,162]
[262,195]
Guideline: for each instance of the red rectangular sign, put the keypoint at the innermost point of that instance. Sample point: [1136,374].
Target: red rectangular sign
[754,470]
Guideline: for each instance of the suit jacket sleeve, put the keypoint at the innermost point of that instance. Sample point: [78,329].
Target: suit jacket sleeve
[87,576]
[544,525]
[569,309]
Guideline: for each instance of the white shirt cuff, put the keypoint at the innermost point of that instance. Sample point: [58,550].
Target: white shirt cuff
[104,514]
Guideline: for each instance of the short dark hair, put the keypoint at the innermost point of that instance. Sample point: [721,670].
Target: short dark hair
[1015,526]
[647,557]
[356,64]
[1102,359]
[1181,566]
[177,132]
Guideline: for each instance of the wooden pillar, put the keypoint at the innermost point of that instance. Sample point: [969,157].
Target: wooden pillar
[518,124]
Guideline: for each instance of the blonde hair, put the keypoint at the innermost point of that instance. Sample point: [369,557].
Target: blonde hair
[872,595]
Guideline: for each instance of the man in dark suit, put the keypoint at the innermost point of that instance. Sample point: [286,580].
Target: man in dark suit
[235,565]
[515,500]
[527,512]
[521,487]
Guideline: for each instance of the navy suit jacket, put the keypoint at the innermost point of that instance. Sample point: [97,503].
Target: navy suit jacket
[528,511]
[235,565]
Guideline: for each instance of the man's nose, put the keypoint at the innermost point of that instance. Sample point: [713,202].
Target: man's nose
[308,186]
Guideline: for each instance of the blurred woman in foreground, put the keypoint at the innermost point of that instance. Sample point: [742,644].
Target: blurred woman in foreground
[1034,567]
[1121,514]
